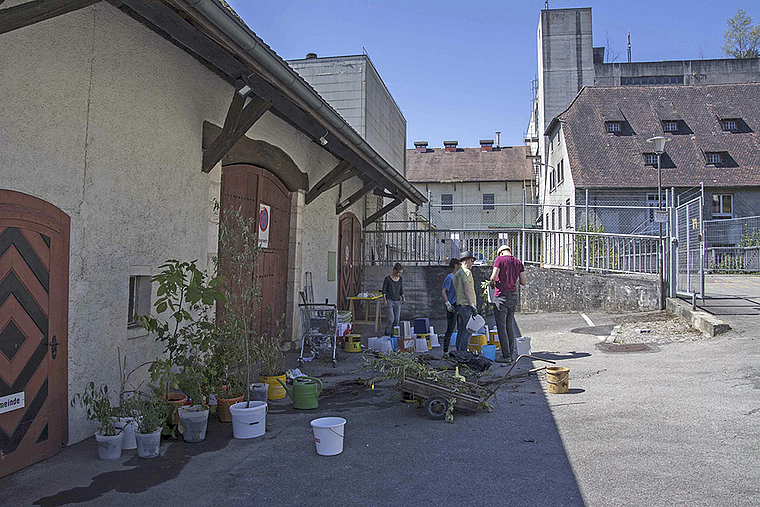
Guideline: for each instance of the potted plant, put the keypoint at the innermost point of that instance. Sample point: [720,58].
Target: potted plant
[271,362]
[99,410]
[125,413]
[185,300]
[193,416]
[236,263]
[153,412]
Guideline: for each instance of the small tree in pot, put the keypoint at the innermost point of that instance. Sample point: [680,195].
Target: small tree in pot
[153,412]
[98,409]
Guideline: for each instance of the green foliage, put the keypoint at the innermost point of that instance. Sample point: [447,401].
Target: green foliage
[236,262]
[184,302]
[98,407]
[153,412]
[449,417]
[600,254]
[742,37]
[750,237]
[268,354]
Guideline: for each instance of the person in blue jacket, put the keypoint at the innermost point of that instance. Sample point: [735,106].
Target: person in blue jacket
[450,300]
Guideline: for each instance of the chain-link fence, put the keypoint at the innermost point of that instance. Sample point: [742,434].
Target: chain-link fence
[690,263]
[733,245]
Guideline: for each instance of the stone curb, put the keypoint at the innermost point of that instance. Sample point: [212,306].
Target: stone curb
[708,324]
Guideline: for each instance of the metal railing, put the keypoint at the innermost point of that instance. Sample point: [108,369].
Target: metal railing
[590,251]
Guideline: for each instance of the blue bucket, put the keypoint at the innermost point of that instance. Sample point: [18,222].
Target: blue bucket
[489,351]
[453,339]
[394,342]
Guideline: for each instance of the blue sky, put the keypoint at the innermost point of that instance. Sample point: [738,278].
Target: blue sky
[462,70]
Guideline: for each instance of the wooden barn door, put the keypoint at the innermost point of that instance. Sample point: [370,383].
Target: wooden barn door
[350,258]
[34,277]
[247,187]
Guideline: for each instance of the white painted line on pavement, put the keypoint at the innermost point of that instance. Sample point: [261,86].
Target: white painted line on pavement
[589,321]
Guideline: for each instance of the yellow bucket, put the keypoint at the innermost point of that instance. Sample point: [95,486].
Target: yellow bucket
[276,391]
[476,342]
[557,379]
[352,343]
[426,336]
[493,339]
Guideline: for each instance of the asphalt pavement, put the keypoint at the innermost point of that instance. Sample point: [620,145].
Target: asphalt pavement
[676,426]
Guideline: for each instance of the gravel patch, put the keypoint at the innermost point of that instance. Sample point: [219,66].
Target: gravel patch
[653,327]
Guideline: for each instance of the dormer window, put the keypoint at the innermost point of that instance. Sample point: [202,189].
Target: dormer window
[671,126]
[613,126]
[714,158]
[650,159]
[728,125]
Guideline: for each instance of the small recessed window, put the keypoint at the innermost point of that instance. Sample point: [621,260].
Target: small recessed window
[671,126]
[650,159]
[447,202]
[488,201]
[714,158]
[139,299]
[729,125]
[613,126]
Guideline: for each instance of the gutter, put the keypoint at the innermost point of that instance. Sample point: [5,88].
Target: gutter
[236,30]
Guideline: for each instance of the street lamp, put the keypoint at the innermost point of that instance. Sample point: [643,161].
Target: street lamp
[659,148]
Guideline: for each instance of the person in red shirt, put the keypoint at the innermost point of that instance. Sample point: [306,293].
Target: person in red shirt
[507,271]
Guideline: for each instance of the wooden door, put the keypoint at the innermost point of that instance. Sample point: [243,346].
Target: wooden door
[245,187]
[34,271]
[350,258]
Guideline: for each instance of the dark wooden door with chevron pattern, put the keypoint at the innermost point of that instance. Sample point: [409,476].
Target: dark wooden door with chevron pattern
[34,261]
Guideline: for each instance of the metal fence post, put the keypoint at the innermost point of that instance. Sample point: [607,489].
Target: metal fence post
[588,250]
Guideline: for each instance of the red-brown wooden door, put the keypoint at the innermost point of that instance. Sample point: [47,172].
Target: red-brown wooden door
[34,267]
[349,258]
[246,187]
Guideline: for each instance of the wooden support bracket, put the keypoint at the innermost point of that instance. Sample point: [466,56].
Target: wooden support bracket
[336,176]
[238,121]
[382,211]
[29,13]
[347,203]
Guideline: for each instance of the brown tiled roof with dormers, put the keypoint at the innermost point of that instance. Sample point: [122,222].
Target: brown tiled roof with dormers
[508,163]
[599,159]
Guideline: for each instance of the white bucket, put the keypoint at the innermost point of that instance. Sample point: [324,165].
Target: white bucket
[421,345]
[372,343]
[109,448]
[248,422]
[384,346]
[328,435]
[128,426]
[434,340]
[523,345]
[475,323]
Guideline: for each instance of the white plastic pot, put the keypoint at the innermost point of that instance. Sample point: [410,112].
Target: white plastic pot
[249,422]
[195,423]
[128,427]
[148,444]
[109,448]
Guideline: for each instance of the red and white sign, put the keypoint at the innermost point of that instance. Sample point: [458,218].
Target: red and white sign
[265,217]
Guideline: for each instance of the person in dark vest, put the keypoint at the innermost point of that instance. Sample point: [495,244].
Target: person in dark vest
[507,271]
[393,297]
[449,294]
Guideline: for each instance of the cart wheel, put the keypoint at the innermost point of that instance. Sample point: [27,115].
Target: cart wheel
[436,407]
[300,362]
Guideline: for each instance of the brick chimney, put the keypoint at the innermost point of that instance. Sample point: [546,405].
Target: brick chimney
[486,145]
[450,146]
[420,146]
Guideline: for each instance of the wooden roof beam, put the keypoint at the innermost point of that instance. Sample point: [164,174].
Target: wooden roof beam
[382,211]
[347,203]
[30,13]
[336,176]
[238,121]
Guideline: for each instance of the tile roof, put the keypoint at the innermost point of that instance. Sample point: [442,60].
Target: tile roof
[469,164]
[605,160]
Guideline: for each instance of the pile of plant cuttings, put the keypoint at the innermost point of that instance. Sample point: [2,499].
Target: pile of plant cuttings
[399,366]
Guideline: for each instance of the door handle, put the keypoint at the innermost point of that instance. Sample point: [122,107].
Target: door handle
[54,348]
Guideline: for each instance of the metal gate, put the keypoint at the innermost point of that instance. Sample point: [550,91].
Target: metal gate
[689,228]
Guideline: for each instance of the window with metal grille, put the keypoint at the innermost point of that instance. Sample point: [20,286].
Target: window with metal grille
[447,202]
[613,126]
[139,299]
[723,206]
[729,125]
[714,158]
[671,126]
[488,201]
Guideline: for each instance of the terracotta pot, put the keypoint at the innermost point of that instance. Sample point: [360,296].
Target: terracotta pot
[223,407]
[176,399]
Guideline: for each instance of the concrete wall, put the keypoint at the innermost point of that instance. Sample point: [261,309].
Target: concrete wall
[93,123]
[717,71]
[549,290]
[354,88]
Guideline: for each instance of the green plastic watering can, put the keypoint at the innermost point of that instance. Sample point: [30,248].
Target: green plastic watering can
[304,392]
